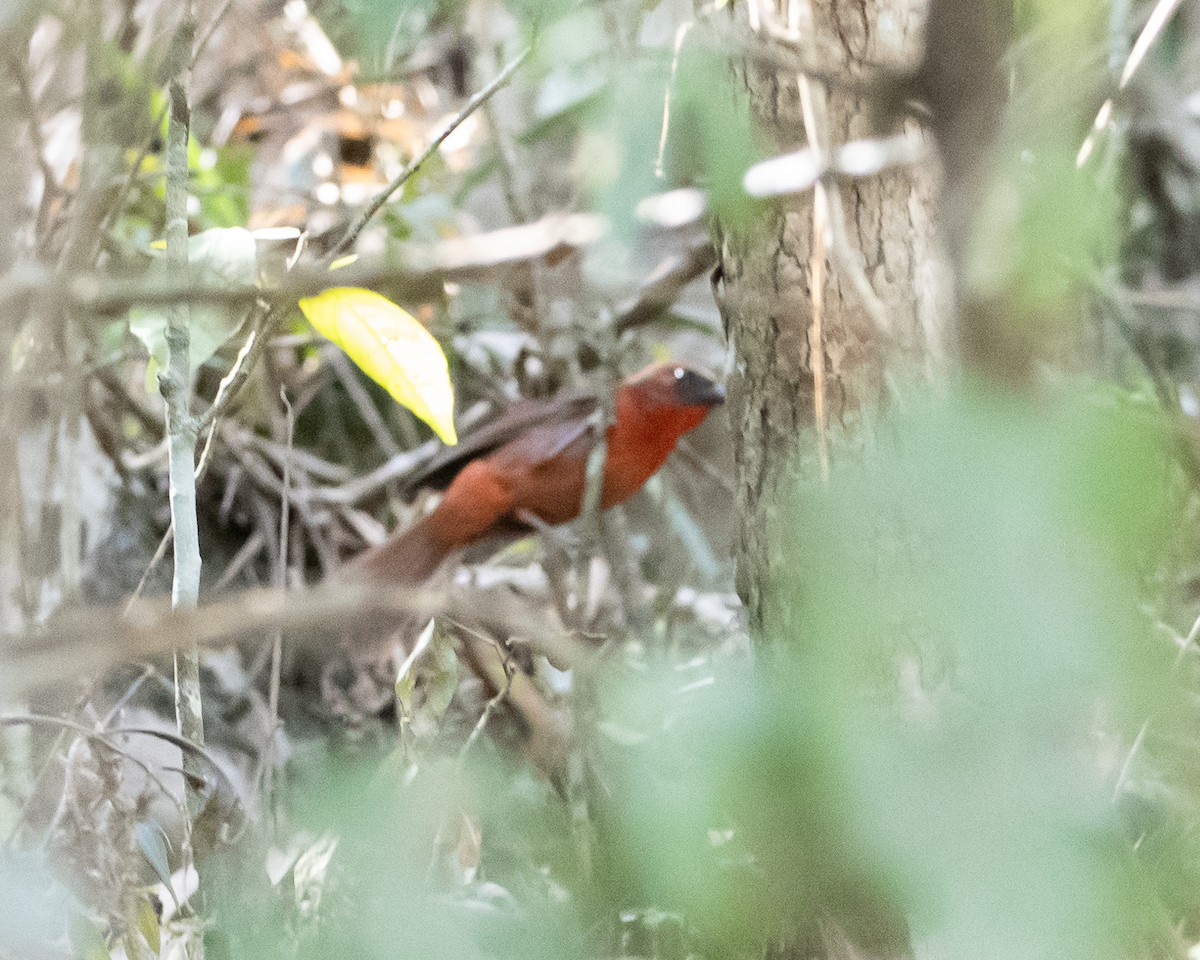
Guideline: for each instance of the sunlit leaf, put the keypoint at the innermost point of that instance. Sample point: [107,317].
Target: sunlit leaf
[390,347]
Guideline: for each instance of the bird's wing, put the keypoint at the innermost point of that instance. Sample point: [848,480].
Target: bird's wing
[549,440]
[543,428]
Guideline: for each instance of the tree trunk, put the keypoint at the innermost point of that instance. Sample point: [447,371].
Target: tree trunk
[819,341]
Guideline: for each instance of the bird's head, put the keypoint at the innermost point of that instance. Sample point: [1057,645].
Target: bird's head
[671,385]
[667,400]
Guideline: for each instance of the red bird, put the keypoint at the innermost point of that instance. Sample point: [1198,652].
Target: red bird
[532,463]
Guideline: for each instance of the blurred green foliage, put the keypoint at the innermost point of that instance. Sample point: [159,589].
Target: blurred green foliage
[379,33]
[957,671]
[392,875]
[710,139]
[963,621]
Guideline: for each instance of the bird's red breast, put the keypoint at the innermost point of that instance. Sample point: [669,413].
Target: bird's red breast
[538,469]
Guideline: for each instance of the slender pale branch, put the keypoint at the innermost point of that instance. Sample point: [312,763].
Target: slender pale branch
[176,384]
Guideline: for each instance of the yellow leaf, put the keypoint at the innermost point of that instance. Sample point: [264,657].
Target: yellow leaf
[147,922]
[391,348]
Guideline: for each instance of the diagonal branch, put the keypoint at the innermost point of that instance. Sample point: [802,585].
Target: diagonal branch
[478,100]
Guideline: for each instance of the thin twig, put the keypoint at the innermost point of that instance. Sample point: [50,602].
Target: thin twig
[147,672]
[159,552]
[1127,765]
[232,383]
[348,377]
[278,453]
[493,703]
[249,549]
[229,386]
[209,31]
[88,733]
[662,287]
[660,159]
[406,174]
[362,487]
[135,171]
[285,511]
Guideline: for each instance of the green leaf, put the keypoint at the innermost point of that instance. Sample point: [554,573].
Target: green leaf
[216,257]
[391,348]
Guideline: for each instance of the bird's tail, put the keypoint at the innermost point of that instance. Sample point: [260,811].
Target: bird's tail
[411,557]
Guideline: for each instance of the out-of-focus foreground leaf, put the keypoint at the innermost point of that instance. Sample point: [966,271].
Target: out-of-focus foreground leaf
[940,734]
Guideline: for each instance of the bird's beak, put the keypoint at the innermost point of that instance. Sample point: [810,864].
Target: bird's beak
[694,390]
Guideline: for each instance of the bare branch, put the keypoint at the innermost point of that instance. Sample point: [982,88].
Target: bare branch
[662,288]
[419,269]
[176,387]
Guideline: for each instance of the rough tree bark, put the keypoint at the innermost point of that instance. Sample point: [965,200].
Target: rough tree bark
[812,356]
